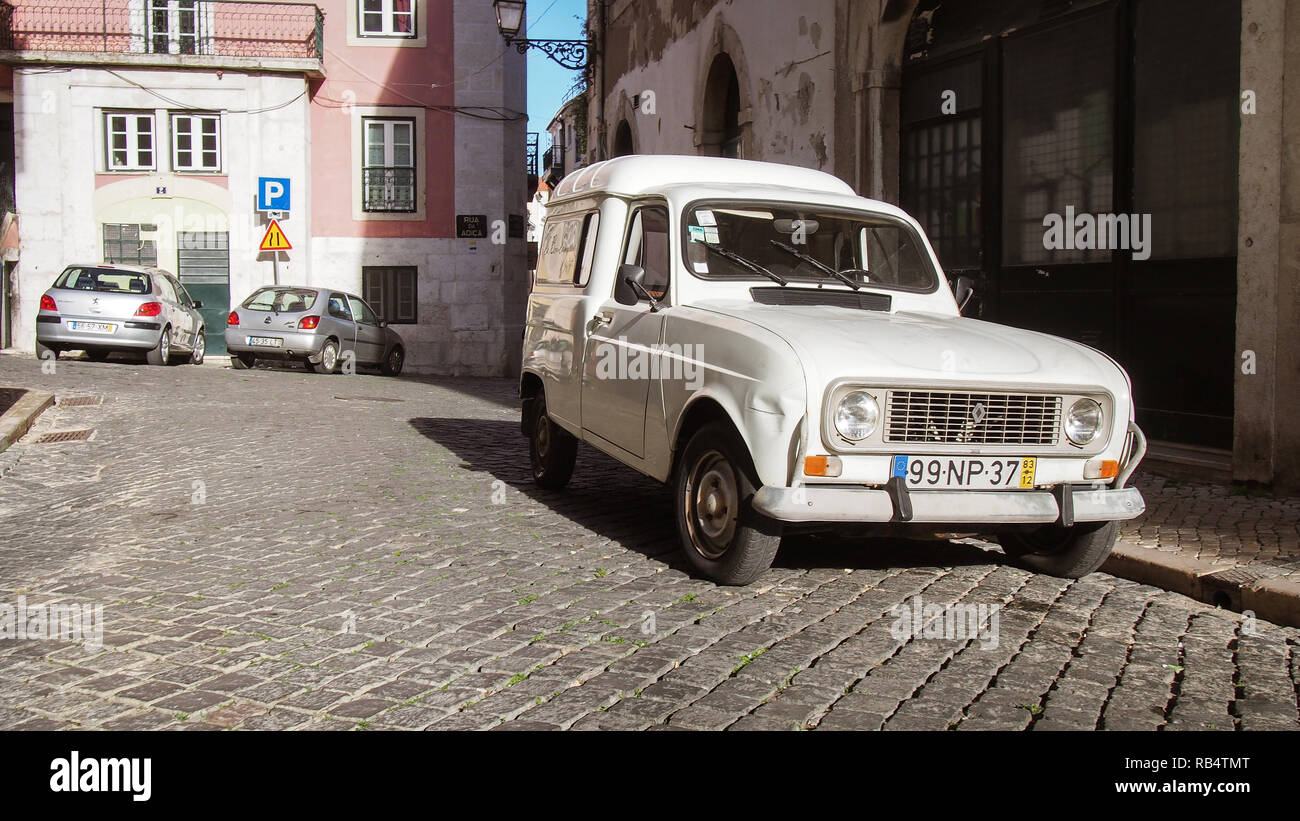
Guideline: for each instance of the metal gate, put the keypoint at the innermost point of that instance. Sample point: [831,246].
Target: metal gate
[203,262]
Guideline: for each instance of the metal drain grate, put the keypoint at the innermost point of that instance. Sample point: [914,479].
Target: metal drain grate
[65,436]
[368,399]
[75,401]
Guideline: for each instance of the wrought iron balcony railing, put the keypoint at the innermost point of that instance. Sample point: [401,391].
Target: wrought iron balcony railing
[217,28]
[388,189]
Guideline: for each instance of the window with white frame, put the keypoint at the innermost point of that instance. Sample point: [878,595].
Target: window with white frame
[388,173]
[129,141]
[196,142]
[386,18]
[174,26]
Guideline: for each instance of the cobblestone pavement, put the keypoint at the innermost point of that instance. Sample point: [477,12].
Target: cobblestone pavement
[275,549]
[1220,524]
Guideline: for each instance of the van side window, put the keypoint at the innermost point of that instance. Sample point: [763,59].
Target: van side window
[647,246]
[557,255]
[590,225]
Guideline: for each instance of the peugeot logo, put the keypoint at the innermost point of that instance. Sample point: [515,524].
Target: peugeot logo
[266,321]
[978,413]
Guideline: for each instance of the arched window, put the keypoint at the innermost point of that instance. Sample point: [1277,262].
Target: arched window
[623,140]
[720,120]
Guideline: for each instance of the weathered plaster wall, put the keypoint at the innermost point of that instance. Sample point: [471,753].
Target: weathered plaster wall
[784,56]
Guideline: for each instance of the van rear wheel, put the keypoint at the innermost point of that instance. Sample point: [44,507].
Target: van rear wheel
[721,533]
[552,450]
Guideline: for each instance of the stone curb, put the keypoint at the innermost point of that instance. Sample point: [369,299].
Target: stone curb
[15,421]
[1233,588]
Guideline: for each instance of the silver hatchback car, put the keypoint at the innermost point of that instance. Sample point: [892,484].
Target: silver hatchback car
[319,326]
[104,308]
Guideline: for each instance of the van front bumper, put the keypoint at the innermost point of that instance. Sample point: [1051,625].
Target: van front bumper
[831,503]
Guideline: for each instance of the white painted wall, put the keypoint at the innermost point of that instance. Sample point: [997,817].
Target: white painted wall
[60,151]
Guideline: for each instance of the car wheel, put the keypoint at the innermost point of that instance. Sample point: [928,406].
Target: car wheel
[329,358]
[45,351]
[552,450]
[97,355]
[392,365]
[721,533]
[1069,552]
[200,348]
[242,361]
[162,354]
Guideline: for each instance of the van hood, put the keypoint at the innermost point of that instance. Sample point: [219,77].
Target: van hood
[834,342]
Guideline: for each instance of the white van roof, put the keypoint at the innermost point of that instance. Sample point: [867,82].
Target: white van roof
[641,174]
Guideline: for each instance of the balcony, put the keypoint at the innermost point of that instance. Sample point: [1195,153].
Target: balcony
[231,34]
[388,189]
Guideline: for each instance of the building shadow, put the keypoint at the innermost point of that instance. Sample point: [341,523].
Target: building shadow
[617,503]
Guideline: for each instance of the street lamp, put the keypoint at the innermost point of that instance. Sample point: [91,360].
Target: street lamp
[571,54]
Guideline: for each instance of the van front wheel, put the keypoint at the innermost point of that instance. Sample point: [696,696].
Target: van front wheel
[721,533]
[1068,552]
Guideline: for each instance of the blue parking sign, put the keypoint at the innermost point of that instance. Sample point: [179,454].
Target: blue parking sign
[272,193]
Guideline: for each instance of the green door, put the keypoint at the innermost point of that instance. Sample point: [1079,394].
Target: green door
[203,262]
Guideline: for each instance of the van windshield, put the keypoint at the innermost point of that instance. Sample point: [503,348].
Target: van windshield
[727,240]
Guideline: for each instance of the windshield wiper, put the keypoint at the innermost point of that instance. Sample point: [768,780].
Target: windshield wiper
[811,260]
[748,263]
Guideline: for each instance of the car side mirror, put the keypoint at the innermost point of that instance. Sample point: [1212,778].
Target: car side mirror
[197,304]
[629,279]
[962,290]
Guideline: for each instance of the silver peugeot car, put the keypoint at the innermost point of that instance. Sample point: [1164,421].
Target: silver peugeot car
[319,326]
[104,308]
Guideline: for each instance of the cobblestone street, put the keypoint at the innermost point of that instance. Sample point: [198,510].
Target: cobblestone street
[276,549]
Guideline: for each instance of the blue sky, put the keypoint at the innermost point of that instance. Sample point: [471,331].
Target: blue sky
[548,83]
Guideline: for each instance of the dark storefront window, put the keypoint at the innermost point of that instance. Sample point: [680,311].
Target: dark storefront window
[1115,112]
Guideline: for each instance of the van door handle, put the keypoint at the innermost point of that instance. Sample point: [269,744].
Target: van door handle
[603,318]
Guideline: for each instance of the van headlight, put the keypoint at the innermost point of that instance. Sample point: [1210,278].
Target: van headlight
[857,415]
[1083,422]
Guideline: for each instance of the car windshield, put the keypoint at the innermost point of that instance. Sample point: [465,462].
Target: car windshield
[756,241]
[281,300]
[107,280]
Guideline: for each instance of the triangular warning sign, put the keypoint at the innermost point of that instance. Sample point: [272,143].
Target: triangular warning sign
[275,240]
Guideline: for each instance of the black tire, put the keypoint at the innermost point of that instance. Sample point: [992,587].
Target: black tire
[329,358]
[97,355]
[242,361]
[46,352]
[721,533]
[200,348]
[1067,552]
[162,354]
[552,450]
[392,364]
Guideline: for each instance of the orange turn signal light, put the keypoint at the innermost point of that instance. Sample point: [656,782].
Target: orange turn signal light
[1101,469]
[822,466]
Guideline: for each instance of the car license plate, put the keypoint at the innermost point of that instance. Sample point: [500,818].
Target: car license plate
[265,341]
[92,327]
[944,473]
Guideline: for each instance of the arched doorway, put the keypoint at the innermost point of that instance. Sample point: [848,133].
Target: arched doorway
[721,132]
[623,140]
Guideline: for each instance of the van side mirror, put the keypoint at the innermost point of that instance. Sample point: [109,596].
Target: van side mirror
[197,304]
[626,286]
[962,290]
